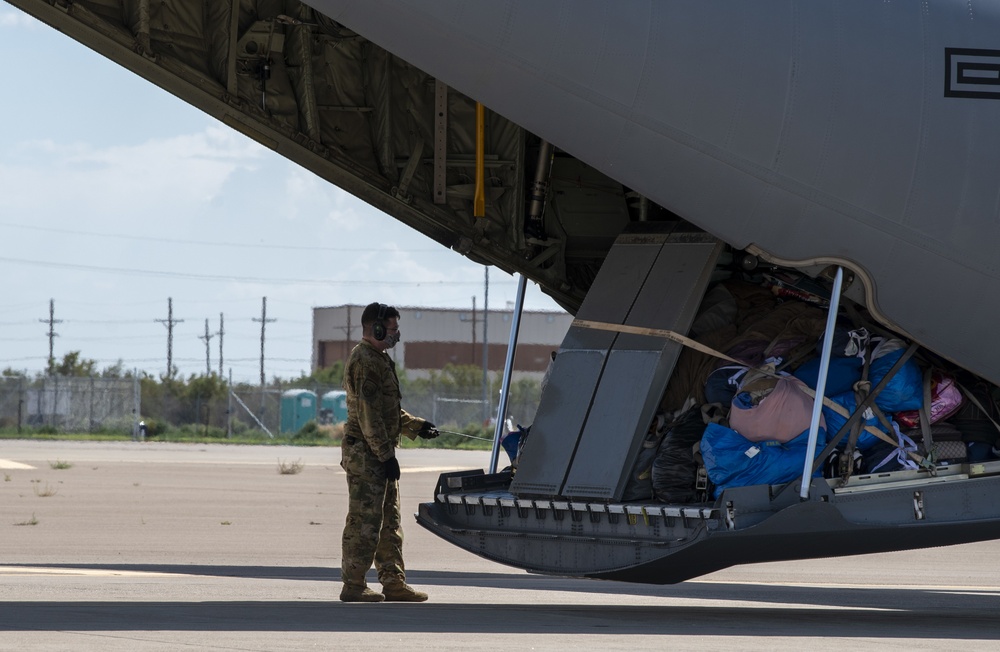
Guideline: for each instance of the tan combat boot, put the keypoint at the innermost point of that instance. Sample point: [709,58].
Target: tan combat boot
[360,594]
[402,592]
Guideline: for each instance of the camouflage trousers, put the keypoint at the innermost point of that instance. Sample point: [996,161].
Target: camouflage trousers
[373,532]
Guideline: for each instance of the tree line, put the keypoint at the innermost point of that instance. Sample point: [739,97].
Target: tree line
[202,400]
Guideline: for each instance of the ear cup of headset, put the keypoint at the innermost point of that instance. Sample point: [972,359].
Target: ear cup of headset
[378,328]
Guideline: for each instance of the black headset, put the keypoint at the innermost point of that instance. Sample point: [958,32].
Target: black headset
[378,327]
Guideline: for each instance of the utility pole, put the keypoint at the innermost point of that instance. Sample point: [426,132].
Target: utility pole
[229,407]
[169,323]
[472,359]
[51,321]
[263,323]
[348,340]
[486,344]
[222,332]
[207,337]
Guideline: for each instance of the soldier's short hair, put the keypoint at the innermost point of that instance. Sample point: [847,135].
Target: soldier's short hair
[371,311]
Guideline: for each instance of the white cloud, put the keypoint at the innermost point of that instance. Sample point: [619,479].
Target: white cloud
[308,197]
[177,174]
[18,19]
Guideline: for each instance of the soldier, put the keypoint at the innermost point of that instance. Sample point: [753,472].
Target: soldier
[375,421]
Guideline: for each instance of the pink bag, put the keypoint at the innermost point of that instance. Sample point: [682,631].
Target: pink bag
[946,400]
[782,415]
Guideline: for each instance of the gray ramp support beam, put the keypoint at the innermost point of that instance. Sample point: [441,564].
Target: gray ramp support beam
[605,387]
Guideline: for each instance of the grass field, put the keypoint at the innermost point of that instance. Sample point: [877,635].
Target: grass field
[474,439]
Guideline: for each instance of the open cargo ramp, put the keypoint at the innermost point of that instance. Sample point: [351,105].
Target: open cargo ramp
[605,387]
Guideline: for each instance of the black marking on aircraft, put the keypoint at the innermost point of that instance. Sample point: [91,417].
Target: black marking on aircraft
[972,73]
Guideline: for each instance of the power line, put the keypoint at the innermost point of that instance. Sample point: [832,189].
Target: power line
[91,304]
[224,278]
[107,321]
[108,338]
[132,360]
[20,306]
[234,245]
[270,359]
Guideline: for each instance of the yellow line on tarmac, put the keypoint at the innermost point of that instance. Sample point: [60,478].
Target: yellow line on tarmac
[9,464]
[90,572]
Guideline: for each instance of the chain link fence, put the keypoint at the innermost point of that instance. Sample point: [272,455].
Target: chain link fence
[60,404]
[455,409]
[69,404]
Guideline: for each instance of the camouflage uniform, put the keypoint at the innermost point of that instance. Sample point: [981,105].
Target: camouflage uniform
[374,424]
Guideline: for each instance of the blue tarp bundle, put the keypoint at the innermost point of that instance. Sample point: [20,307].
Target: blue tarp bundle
[733,461]
[842,375]
[904,390]
[834,421]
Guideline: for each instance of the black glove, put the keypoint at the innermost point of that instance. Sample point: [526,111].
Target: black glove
[391,469]
[428,431]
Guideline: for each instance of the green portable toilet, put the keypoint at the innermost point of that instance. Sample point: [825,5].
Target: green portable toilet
[298,407]
[333,408]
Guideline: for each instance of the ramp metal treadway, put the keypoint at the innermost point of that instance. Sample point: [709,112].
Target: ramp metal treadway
[604,387]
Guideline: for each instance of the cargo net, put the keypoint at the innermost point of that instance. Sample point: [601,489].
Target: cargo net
[738,407]
[66,404]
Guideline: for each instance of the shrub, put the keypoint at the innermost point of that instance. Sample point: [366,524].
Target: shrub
[154,428]
[312,432]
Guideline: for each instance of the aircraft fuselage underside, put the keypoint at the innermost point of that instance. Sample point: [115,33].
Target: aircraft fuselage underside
[655,543]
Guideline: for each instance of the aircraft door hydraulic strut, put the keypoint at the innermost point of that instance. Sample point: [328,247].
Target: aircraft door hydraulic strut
[515,326]
[824,366]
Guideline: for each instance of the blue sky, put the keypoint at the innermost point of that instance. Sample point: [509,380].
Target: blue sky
[115,195]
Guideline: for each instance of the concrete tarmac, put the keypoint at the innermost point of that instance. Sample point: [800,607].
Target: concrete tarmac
[157,546]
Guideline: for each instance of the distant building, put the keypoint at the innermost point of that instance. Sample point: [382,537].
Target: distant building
[435,337]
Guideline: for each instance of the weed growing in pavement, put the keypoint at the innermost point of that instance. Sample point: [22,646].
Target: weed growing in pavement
[46,492]
[290,468]
[59,464]
[31,521]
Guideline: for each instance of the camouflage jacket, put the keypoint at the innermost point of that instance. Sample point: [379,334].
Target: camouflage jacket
[373,410]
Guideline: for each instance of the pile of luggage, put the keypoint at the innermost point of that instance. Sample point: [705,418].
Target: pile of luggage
[742,417]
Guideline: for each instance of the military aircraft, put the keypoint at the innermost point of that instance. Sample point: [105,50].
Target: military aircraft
[628,157]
